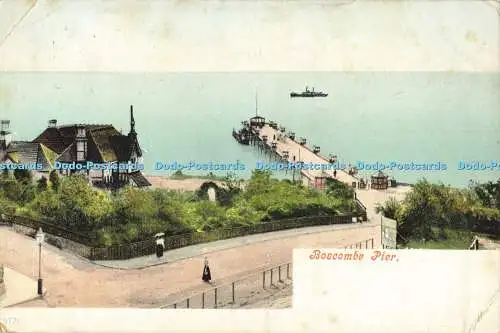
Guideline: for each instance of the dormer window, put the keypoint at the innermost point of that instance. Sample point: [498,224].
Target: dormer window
[81,132]
[81,144]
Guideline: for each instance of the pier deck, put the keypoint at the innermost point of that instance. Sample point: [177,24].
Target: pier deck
[304,154]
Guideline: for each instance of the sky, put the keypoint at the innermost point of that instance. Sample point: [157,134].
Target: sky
[208,36]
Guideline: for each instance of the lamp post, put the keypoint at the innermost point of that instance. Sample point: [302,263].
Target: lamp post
[40,237]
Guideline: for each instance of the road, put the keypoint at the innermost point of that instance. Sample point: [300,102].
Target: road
[74,282]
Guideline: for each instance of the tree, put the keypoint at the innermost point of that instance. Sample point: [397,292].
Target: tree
[134,205]
[259,184]
[48,204]
[241,213]
[419,212]
[232,187]
[22,175]
[54,180]
[431,208]
[7,206]
[19,192]
[389,209]
[210,216]
[488,193]
[338,189]
[42,184]
[82,206]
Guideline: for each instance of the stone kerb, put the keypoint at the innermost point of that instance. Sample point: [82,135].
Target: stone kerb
[2,284]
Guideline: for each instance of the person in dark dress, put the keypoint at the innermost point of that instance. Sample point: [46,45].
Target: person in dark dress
[206,277]
[160,246]
[335,173]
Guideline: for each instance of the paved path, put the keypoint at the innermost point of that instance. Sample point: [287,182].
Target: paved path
[73,282]
[18,288]
[370,198]
[205,248]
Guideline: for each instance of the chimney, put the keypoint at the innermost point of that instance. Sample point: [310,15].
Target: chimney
[4,125]
[52,122]
[4,134]
[132,121]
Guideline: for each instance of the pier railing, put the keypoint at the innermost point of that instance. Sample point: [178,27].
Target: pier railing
[237,291]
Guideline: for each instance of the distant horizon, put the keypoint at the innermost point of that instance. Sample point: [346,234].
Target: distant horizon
[372,116]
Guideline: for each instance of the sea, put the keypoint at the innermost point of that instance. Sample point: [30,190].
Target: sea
[370,117]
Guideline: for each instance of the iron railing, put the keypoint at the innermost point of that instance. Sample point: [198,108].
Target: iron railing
[82,245]
[238,291]
[148,247]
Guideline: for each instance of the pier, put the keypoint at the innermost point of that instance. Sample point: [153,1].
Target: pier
[283,146]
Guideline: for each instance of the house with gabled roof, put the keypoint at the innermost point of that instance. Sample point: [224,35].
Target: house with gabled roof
[80,143]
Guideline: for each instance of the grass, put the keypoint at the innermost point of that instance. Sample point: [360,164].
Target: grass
[449,240]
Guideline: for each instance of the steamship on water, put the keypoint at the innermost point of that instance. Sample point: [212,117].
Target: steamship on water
[308,93]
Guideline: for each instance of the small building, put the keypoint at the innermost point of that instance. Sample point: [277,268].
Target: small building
[80,144]
[379,181]
[317,182]
[257,121]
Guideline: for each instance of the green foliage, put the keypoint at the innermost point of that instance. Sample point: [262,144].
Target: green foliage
[133,205]
[488,193]
[18,191]
[445,239]
[430,207]
[22,175]
[54,179]
[389,209]
[231,188]
[42,184]
[339,189]
[81,205]
[242,213]
[7,206]
[46,203]
[131,214]
[274,199]
[260,183]
[208,216]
